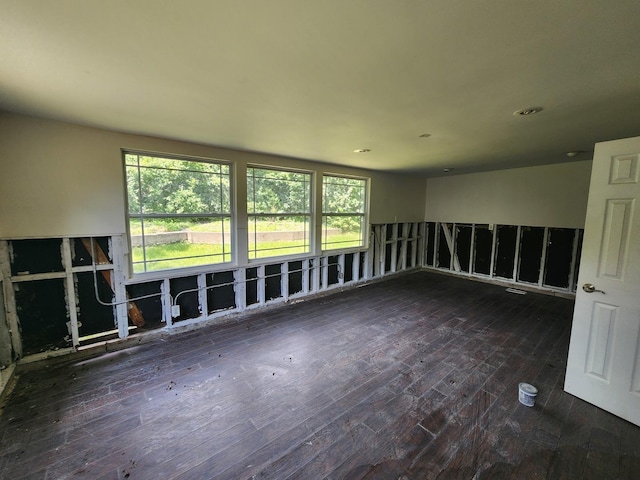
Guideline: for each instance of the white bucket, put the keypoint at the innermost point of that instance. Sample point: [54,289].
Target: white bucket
[527,394]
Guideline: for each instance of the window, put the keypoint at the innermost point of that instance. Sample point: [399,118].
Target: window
[179,212]
[343,212]
[279,212]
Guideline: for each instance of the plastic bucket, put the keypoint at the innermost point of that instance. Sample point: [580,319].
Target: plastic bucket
[527,394]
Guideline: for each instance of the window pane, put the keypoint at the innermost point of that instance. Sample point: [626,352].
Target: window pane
[342,231]
[275,236]
[344,211]
[279,208]
[179,242]
[276,191]
[179,212]
[343,195]
[182,187]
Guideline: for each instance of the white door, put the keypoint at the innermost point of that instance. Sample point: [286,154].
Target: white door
[604,354]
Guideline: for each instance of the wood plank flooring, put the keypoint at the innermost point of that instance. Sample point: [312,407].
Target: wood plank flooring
[412,378]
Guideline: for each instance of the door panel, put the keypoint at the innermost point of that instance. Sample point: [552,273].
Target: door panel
[603,367]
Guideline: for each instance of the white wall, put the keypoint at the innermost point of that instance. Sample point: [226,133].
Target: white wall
[58,179]
[548,196]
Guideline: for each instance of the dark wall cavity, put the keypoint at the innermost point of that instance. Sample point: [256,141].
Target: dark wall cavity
[559,253]
[42,313]
[482,253]
[93,317]
[36,256]
[295,277]
[273,285]
[531,244]
[252,286]
[223,296]
[505,250]
[431,238]
[189,304]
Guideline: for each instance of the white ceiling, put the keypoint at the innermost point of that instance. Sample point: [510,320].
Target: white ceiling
[317,80]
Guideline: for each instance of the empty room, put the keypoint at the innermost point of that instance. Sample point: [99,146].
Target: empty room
[345,240]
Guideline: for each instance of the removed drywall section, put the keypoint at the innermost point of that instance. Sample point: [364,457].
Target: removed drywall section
[221,294]
[483,244]
[42,312]
[507,237]
[35,256]
[531,244]
[544,196]
[560,247]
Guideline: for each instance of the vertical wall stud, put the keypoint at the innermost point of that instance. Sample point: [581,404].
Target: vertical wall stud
[422,244]
[305,276]
[472,249]
[543,257]
[494,249]
[284,280]
[203,303]
[516,259]
[116,244]
[436,243]
[382,250]
[240,288]
[324,268]
[355,267]
[368,260]
[261,284]
[165,288]
[341,266]
[394,247]
[10,300]
[70,291]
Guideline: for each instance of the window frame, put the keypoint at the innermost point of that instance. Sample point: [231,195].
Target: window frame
[228,258]
[252,254]
[364,215]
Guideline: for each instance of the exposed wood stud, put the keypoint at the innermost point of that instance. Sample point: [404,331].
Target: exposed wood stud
[118,279]
[394,247]
[472,249]
[165,288]
[543,257]
[455,263]
[70,292]
[284,280]
[10,300]
[324,268]
[305,276]
[516,256]
[422,244]
[261,285]
[355,267]
[341,267]
[240,288]
[494,248]
[203,303]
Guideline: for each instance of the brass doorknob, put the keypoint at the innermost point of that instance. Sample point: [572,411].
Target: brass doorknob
[590,288]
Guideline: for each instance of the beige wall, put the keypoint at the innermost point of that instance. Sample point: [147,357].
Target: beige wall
[59,179]
[550,195]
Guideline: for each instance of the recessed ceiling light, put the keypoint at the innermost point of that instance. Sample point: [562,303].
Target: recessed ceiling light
[573,154]
[361,150]
[527,111]
[447,170]
[424,135]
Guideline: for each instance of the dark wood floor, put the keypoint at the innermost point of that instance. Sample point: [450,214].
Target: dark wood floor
[412,378]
